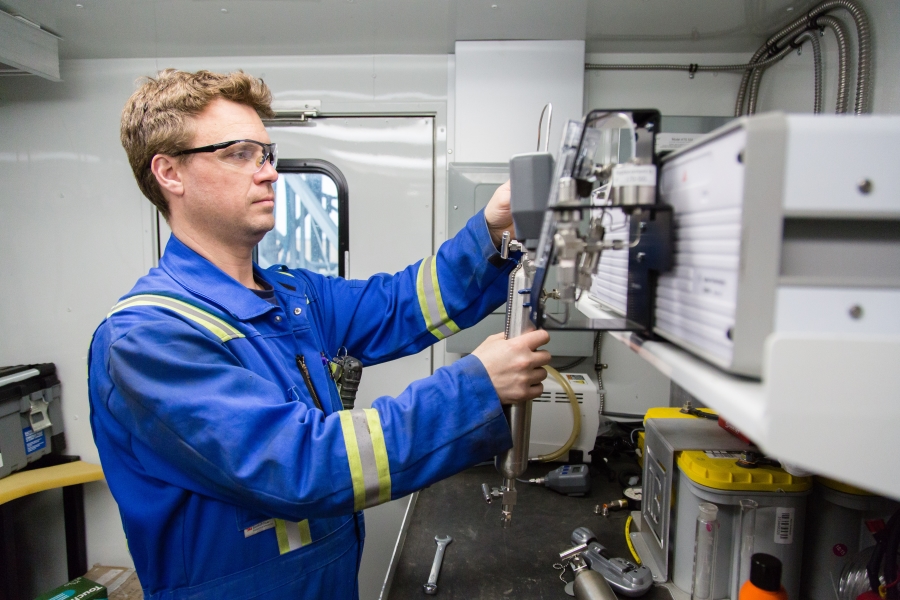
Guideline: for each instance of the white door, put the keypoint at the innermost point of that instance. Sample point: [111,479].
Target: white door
[388,163]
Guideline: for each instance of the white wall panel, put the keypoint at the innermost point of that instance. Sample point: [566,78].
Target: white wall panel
[501,88]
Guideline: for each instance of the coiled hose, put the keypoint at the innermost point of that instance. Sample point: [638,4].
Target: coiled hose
[576,417]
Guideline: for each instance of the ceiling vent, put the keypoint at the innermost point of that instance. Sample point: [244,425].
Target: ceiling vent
[26,48]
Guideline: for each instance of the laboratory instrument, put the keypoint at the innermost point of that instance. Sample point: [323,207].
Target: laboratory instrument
[780,229]
[571,480]
[442,542]
[623,575]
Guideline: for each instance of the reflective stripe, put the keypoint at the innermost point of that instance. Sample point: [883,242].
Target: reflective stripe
[221,329]
[292,535]
[370,471]
[437,320]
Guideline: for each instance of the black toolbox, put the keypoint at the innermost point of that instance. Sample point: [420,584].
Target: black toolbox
[31,423]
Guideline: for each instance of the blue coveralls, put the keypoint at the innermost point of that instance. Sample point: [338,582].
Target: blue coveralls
[230,483]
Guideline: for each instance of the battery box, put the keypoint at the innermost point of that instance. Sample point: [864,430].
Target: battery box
[31,423]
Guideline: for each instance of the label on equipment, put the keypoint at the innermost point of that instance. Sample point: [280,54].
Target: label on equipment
[784,525]
[633,175]
[674,141]
[259,528]
[34,440]
[723,454]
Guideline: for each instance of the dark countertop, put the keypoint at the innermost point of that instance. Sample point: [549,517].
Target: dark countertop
[487,562]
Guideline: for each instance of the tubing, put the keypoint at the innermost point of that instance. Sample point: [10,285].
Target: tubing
[864,57]
[840,36]
[576,417]
[813,38]
[757,77]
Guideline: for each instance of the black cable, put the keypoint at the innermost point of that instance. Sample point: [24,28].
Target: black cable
[571,365]
[880,553]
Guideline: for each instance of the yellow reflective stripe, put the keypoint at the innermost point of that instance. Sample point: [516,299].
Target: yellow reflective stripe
[356,472]
[292,535]
[445,318]
[381,456]
[221,329]
[420,291]
[370,471]
[281,536]
[431,303]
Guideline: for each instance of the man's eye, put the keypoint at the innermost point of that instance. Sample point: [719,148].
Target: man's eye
[241,155]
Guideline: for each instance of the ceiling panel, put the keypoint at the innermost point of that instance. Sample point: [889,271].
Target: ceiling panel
[169,28]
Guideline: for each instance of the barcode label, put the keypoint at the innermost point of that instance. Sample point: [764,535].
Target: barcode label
[784,525]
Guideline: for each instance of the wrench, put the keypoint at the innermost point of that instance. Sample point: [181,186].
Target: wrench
[442,543]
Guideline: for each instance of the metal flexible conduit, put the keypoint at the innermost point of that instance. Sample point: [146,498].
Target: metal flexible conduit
[694,68]
[757,76]
[813,38]
[840,35]
[863,79]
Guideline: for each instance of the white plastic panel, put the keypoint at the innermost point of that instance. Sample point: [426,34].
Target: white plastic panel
[828,159]
[696,301]
[817,309]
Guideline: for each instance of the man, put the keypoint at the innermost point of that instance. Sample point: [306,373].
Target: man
[221,433]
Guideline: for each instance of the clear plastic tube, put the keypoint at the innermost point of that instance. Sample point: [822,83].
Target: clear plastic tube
[748,533]
[705,545]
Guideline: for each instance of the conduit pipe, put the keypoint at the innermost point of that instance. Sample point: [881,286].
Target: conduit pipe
[813,38]
[840,36]
[808,21]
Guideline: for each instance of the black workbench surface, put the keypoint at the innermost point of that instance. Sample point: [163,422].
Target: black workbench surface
[486,561]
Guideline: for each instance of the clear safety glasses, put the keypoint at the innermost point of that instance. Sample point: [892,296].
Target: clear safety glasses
[247,155]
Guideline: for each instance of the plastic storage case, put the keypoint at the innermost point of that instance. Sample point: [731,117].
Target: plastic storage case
[31,423]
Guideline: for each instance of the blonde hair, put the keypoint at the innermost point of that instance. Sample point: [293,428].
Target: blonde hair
[156,119]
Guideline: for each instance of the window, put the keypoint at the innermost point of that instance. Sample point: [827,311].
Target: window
[311,219]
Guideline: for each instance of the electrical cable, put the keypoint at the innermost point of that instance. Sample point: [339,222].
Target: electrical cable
[571,365]
[634,553]
[598,369]
[576,417]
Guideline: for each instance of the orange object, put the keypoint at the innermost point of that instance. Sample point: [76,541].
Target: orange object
[765,580]
[751,592]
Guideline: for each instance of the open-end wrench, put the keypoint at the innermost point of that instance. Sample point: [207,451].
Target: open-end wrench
[442,542]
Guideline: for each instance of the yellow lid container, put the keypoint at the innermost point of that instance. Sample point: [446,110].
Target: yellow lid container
[719,471]
[669,412]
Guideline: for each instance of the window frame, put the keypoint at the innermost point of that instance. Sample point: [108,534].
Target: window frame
[323,167]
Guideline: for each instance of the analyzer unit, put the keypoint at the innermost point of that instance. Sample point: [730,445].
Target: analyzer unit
[783,223]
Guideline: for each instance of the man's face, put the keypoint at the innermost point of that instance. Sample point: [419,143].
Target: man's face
[233,206]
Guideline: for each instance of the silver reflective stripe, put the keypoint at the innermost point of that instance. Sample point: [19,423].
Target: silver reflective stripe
[436,317]
[221,329]
[366,456]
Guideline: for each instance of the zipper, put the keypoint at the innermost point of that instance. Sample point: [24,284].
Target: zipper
[301,364]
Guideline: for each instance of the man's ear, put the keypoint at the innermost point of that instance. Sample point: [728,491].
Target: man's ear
[167,172]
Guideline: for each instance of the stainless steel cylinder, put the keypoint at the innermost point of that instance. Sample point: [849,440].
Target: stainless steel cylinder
[590,585]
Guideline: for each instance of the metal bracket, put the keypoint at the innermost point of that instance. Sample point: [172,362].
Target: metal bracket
[295,111]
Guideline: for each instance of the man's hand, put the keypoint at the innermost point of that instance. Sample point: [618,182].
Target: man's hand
[515,366]
[498,214]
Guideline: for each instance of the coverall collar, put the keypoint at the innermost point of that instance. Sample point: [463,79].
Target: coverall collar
[201,277]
